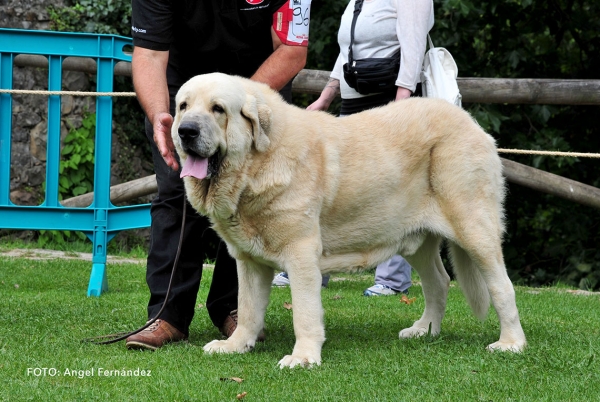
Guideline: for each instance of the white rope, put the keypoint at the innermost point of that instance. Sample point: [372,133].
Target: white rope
[72,93]
[124,94]
[550,153]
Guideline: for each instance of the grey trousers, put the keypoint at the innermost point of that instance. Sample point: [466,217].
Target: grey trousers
[394,273]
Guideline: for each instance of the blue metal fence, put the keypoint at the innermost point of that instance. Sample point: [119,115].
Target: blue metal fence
[101,221]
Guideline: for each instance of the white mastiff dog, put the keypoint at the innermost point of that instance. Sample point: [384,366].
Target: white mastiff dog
[309,193]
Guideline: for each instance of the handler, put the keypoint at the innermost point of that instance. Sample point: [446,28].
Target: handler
[265,40]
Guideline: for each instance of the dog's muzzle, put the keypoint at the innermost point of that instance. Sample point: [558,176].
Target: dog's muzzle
[202,160]
[189,132]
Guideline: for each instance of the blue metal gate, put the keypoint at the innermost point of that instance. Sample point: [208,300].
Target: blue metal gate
[101,221]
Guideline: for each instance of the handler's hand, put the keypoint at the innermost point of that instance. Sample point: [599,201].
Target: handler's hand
[403,93]
[319,104]
[162,137]
[328,94]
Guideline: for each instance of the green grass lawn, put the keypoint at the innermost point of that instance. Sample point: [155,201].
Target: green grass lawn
[45,314]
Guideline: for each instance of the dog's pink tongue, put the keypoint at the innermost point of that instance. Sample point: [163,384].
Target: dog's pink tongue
[195,167]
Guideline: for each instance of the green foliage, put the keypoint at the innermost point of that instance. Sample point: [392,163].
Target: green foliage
[64,19]
[98,16]
[77,163]
[76,173]
[324,24]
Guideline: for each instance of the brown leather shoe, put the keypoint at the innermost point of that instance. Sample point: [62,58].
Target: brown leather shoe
[230,324]
[155,336]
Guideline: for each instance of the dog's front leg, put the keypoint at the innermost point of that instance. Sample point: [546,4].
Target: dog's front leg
[305,283]
[253,298]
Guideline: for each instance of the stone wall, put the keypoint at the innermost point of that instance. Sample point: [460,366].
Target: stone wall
[26,14]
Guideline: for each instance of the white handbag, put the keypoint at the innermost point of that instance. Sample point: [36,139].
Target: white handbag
[438,77]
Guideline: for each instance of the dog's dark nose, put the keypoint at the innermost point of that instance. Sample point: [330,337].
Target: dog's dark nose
[188,131]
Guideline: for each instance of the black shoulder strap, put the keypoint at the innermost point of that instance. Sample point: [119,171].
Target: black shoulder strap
[357,8]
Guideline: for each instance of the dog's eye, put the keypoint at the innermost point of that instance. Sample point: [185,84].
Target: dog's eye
[182,106]
[218,109]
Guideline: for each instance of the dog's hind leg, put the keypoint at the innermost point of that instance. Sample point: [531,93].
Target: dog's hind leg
[253,299]
[481,270]
[479,266]
[435,281]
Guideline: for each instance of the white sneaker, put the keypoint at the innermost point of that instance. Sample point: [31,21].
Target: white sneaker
[380,290]
[281,279]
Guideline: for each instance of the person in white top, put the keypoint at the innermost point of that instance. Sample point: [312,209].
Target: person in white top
[382,27]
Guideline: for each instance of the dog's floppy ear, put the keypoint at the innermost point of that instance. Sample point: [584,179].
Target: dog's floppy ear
[259,115]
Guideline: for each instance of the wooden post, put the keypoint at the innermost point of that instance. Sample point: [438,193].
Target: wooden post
[551,184]
[493,90]
[82,64]
[123,192]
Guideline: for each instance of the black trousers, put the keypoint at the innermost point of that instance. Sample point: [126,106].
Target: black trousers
[167,212]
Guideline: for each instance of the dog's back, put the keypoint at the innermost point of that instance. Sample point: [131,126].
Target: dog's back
[424,155]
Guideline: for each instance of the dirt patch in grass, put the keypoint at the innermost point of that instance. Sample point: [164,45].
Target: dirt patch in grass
[40,254]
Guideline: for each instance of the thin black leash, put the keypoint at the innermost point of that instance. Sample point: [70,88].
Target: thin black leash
[119,336]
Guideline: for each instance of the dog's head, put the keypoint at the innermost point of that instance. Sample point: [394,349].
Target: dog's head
[218,118]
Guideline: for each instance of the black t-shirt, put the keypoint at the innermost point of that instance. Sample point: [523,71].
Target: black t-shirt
[205,36]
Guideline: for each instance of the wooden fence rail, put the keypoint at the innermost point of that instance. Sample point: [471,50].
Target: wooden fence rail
[493,90]
[475,90]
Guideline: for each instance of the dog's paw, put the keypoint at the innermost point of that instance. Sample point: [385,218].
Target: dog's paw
[420,328]
[515,347]
[413,332]
[292,361]
[227,346]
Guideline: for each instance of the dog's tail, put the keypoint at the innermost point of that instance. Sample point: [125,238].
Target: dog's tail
[470,281]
